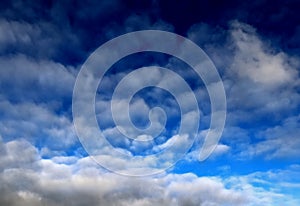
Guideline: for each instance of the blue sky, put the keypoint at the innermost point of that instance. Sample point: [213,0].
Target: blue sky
[254,46]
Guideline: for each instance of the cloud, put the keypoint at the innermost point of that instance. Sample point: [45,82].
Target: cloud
[260,64]
[266,82]
[273,180]
[261,82]
[35,80]
[261,79]
[254,96]
[38,124]
[18,153]
[39,42]
[35,102]
[256,76]
[280,141]
[77,181]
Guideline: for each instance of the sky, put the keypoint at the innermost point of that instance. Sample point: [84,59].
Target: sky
[50,156]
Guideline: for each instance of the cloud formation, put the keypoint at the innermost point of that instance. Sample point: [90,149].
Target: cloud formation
[43,45]
[27,179]
[262,86]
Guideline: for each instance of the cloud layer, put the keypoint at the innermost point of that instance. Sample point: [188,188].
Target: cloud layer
[42,162]
[27,179]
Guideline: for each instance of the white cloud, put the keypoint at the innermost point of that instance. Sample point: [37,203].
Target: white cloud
[220,149]
[255,184]
[261,85]
[29,180]
[256,76]
[255,61]
[18,153]
[280,141]
[261,79]
[34,121]
[59,181]
[26,79]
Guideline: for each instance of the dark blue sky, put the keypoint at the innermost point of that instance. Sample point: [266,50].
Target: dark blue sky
[87,22]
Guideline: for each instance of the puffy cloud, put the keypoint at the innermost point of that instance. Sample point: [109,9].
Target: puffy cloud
[260,64]
[35,80]
[36,122]
[34,101]
[256,75]
[259,78]
[17,154]
[77,181]
[265,83]
[29,180]
[261,83]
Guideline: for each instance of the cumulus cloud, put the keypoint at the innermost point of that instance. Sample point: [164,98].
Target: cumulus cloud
[34,101]
[36,122]
[60,180]
[257,78]
[35,80]
[35,111]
